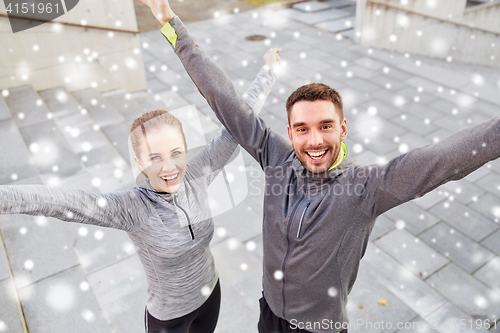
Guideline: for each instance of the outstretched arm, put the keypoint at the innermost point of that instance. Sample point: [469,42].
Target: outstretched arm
[119,210]
[220,149]
[421,170]
[251,132]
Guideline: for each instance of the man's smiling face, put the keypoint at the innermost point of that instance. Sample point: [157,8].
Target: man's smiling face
[316,133]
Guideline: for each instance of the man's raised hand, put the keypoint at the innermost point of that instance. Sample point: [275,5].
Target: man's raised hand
[160,9]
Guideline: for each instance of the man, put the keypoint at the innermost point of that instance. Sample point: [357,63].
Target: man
[319,208]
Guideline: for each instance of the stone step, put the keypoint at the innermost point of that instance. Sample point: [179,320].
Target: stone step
[311,6]
[89,145]
[16,162]
[4,109]
[26,106]
[102,113]
[118,133]
[125,104]
[51,153]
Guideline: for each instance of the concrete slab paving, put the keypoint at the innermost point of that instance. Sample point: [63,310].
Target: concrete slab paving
[120,290]
[339,25]
[490,183]
[10,312]
[67,300]
[5,272]
[457,247]
[240,277]
[412,290]
[382,227]
[480,173]
[492,242]
[466,292]
[414,254]
[415,218]
[412,140]
[464,219]
[244,228]
[489,273]
[387,82]
[468,193]
[37,247]
[379,145]
[365,310]
[449,318]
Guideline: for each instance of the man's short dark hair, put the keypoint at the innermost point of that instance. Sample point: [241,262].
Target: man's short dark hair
[314,92]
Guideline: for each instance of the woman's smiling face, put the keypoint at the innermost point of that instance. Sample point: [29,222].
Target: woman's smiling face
[163,158]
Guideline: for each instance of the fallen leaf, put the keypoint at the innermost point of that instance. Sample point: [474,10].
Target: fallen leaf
[382,301]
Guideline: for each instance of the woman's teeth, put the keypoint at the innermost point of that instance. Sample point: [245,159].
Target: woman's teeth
[170,177]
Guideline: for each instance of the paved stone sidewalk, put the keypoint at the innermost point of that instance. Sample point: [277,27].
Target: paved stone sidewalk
[435,259]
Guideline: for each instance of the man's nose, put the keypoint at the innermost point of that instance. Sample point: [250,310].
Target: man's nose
[315,139]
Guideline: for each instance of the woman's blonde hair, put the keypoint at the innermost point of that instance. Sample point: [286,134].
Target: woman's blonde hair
[152,121]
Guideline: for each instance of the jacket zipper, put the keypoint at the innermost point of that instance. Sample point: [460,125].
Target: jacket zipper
[185,213]
[302,219]
[288,251]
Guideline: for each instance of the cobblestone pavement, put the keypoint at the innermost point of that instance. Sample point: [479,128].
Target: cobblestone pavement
[435,259]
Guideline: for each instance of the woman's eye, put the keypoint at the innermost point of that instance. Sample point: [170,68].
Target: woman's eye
[176,153]
[155,158]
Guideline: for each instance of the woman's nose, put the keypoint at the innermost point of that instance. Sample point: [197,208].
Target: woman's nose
[167,165]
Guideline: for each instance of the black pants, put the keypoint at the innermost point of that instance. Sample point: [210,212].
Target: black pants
[270,323]
[201,320]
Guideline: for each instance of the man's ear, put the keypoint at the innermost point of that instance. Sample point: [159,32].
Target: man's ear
[343,130]
[289,131]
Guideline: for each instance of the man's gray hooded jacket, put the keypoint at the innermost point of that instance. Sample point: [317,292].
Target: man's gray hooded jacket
[316,227]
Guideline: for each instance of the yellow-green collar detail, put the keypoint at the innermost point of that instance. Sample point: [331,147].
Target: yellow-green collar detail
[343,152]
[169,33]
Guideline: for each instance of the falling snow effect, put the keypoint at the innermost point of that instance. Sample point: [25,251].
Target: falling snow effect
[205,291]
[378,129]
[88,315]
[60,297]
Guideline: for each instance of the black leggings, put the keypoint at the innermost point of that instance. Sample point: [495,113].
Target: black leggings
[270,323]
[201,320]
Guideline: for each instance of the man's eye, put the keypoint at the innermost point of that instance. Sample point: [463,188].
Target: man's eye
[327,127]
[301,130]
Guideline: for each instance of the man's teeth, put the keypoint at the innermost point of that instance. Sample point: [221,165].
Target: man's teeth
[316,154]
[170,177]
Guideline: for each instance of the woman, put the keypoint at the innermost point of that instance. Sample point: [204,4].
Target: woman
[167,215]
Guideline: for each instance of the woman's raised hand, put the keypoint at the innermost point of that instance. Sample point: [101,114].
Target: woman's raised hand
[160,9]
[271,57]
